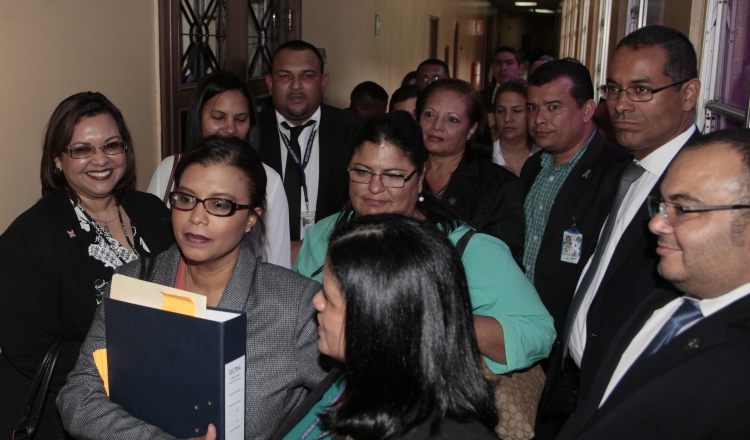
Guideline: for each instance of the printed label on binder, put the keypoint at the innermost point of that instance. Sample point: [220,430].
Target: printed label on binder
[234,399]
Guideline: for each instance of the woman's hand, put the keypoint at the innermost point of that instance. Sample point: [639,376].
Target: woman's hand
[210,434]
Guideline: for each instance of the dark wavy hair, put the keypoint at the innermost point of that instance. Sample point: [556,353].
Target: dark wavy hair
[59,133]
[233,152]
[479,146]
[210,86]
[403,132]
[411,351]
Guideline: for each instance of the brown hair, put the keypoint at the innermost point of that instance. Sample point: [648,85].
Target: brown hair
[516,85]
[59,132]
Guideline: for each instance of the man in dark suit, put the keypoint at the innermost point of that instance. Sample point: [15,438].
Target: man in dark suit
[678,368]
[315,177]
[571,178]
[652,86]
[506,65]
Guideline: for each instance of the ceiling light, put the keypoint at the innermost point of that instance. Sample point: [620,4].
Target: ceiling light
[543,11]
[528,4]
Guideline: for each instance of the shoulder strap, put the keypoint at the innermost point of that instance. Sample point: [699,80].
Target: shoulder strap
[463,241]
[171,179]
[32,410]
[147,268]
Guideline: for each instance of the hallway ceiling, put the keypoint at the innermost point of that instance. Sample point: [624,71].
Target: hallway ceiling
[510,5]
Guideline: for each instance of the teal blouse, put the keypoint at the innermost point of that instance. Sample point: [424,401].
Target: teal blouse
[309,428]
[497,288]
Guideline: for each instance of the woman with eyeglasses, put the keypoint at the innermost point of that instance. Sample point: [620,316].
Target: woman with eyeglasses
[386,173]
[219,194]
[57,258]
[395,312]
[223,106]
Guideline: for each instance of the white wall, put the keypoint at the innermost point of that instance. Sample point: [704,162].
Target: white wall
[51,49]
[346,28]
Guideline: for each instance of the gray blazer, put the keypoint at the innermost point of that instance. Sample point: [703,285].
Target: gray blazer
[282,352]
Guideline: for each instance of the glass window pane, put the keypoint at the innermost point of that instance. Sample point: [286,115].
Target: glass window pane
[203,46]
[262,26]
[736,62]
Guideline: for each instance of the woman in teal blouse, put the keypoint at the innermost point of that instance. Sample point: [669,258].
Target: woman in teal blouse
[395,310]
[386,173]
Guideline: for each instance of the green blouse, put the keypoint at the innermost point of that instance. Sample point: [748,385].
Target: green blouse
[310,427]
[497,288]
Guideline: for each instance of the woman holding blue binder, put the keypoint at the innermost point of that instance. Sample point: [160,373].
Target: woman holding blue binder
[219,195]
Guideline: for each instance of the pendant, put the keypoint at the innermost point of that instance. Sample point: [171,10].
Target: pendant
[106,227]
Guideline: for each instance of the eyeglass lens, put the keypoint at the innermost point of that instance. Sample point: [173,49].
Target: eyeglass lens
[217,207]
[84,151]
[388,180]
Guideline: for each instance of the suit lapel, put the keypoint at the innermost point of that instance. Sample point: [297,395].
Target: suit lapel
[327,146]
[270,151]
[637,228]
[618,346]
[704,335]
[576,181]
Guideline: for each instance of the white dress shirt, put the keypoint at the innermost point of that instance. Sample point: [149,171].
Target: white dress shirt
[312,171]
[276,248]
[656,322]
[655,164]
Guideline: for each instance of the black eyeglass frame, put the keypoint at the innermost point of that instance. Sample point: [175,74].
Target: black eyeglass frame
[657,205]
[234,205]
[406,178]
[69,150]
[602,94]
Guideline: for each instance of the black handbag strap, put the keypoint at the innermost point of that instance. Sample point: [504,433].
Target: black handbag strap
[147,268]
[37,397]
[463,241]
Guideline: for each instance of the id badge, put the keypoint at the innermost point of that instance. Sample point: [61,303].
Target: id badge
[307,221]
[571,246]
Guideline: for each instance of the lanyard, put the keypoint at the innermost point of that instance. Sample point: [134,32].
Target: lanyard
[301,165]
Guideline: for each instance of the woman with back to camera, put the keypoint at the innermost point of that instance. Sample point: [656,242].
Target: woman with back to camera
[57,258]
[223,106]
[220,185]
[514,145]
[459,169]
[395,311]
[386,174]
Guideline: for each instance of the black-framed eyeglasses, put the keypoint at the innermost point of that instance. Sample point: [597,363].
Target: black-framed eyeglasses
[86,151]
[674,214]
[214,206]
[635,93]
[424,79]
[389,180]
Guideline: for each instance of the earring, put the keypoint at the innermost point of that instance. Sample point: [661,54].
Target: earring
[248,230]
[58,169]
[421,198]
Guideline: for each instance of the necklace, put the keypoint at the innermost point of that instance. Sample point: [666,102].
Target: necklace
[186,288]
[507,162]
[439,193]
[106,222]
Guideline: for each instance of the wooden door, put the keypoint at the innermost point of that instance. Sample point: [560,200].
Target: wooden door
[198,37]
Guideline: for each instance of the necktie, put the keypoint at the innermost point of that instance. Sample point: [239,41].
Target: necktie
[293,178]
[630,175]
[688,312]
